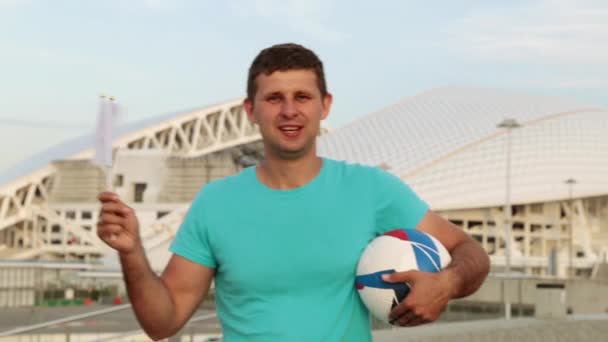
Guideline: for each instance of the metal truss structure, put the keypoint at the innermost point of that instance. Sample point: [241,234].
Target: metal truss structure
[31,228]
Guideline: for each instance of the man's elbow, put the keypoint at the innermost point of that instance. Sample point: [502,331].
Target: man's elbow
[157,336]
[160,334]
[480,267]
[482,257]
[483,269]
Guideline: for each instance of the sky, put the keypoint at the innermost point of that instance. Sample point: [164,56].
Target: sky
[161,56]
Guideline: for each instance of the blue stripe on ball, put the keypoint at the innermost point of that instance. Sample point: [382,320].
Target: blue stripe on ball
[375,280]
[422,254]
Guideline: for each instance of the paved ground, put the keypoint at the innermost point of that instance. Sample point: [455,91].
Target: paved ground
[120,321]
[572,329]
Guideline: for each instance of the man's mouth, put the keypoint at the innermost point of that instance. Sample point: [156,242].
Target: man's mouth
[291,131]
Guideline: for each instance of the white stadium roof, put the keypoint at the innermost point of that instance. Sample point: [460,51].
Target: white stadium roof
[445,143]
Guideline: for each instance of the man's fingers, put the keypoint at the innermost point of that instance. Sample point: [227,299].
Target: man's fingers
[126,211]
[405,319]
[108,196]
[401,277]
[107,218]
[399,310]
[408,277]
[109,229]
[416,321]
[114,207]
[109,239]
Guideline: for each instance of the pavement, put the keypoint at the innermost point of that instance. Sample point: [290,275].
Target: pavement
[577,328]
[570,329]
[115,322]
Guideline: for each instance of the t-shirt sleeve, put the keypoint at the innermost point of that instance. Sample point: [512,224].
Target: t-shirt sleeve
[397,205]
[192,239]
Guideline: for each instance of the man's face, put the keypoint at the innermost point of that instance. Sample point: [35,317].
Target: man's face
[288,108]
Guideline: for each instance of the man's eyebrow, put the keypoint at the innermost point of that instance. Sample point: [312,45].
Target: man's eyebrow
[303,91]
[271,93]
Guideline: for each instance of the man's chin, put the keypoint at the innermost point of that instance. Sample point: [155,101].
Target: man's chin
[292,153]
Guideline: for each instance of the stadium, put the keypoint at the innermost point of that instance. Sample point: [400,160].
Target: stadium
[447,144]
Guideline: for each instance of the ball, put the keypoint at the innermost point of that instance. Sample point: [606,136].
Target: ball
[398,250]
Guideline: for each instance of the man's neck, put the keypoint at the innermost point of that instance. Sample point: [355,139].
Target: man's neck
[284,174]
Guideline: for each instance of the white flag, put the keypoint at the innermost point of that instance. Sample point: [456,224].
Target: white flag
[103,134]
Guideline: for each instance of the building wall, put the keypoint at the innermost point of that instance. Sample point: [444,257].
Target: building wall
[17,286]
[144,167]
[186,176]
[541,230]
[76,181]
[583,296]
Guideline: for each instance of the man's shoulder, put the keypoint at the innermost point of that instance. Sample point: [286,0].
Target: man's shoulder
[377,179]
[353,169]
[225,186]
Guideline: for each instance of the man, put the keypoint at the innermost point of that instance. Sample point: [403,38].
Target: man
[282,239]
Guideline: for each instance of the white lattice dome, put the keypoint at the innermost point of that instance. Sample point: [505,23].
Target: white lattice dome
[445,143]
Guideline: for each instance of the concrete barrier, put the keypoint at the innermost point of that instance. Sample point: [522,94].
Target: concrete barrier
[550,300]
[583,296]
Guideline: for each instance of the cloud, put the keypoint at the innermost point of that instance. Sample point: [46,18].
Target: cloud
[303,16]
[39,54]
[571,82]
[158,4]
[12,3]
[554,32]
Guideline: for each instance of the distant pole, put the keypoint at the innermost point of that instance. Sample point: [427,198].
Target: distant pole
[570,182]
[509,125]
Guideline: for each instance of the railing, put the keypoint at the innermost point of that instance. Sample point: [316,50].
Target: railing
[117,336]
[38,326]
[196,319]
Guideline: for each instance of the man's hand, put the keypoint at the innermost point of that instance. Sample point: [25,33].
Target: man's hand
[430,292]
[117,225]
[428,297]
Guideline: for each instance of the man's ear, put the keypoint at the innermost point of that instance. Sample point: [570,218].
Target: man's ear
[248,105]
[327,101]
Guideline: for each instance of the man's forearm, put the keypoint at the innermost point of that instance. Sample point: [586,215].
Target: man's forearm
[469,267]
[150,298]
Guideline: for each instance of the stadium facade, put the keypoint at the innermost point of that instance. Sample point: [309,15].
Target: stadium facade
[445,143]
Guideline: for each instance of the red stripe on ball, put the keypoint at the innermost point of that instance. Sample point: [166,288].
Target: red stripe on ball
[399,234]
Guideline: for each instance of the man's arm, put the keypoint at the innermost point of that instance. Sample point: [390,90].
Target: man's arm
[430,292]
[470,263]
[163,304]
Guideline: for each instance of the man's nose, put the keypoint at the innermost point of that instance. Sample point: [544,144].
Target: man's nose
[289,108]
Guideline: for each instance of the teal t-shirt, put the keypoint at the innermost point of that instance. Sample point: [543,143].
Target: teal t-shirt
[285,260]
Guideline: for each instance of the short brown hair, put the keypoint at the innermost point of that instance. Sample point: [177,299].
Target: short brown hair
[283,57]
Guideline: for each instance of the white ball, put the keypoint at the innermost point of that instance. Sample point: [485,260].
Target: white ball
[398,250]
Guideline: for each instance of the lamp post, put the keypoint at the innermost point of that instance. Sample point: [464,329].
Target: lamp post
[570,182]
[509,125]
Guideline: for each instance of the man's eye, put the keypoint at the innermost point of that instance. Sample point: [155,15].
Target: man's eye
[273,99]
[302,98]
